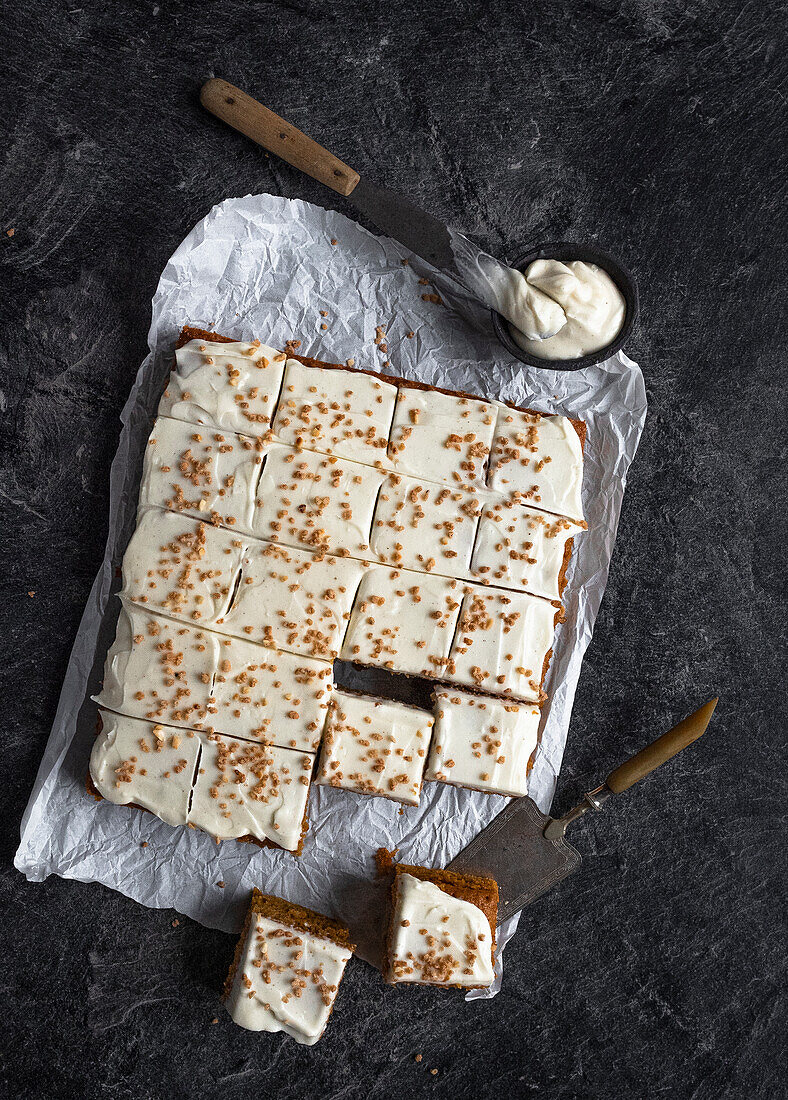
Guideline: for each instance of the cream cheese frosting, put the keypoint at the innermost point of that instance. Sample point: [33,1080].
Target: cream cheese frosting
[145,763]
[316,502]
[423,526]
[534,314]
[482,743]
[181,567]
[293,600]
[160,670]
[322,503]
[169,672]
[247,789]
[286,980]
[201,472]
[445,436]
[539,459]
[264,694]
[227,787]
[403,621]
[501,643]
[347,413]
[437,938]
[375,746]
[225,385]
[592,309]
[519,547]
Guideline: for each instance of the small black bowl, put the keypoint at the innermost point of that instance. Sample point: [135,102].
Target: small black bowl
[565,250]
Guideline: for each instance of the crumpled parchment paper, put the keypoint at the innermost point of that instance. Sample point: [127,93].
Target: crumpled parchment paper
[265,267]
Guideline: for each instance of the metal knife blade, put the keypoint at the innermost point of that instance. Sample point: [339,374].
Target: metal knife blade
[402,219]
[427,236]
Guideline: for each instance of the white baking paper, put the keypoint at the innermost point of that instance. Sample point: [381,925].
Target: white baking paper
[266,267]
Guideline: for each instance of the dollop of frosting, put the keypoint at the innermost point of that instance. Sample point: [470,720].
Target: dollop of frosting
[563,310]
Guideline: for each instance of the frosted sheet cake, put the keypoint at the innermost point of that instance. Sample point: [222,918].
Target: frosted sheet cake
[292,512]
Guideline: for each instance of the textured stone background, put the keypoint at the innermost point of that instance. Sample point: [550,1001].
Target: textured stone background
[656,127]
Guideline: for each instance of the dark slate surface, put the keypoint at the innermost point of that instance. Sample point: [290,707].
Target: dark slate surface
[656,128]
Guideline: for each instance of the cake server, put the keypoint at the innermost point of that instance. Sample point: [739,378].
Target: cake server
[526,851]
[487,279]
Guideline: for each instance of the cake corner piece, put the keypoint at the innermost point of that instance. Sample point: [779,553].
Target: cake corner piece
[442,928]
[287,968]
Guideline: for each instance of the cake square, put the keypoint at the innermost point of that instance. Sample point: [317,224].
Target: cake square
[481,743]
[145,764]
[403,621]
[181,567]
[293,600]
[538,459]
[160,670]
[442,929]
[287,968]
[316,502]
[244,789]
[443,436]
[519,547]
[502,643]
[342,412]
[201,472]
[423,526]
[375,746]
[266,695]
[232,385]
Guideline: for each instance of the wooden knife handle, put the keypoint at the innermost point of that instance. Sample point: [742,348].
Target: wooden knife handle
[644,762]
[251,118]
